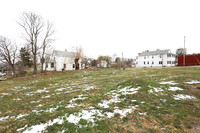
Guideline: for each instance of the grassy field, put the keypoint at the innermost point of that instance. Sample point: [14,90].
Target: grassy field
[104,100]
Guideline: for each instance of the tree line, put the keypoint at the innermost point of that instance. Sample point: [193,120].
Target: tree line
[38,34]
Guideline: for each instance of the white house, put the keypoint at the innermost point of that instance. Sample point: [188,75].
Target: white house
[158,58]
[62,60]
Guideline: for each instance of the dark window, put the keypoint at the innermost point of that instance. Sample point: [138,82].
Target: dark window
[160,62]
[169,55]
[47,65]
[173,62]
[147,62]
[144,57]
[160,56]
[52,65]
[73,66]
[168,62]
[136,62]
[64,66]
[152,57]
[144,62]
[152,62]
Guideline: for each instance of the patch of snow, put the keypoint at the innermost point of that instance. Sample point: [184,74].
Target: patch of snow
[16,99]
[6,94]
[175,89]
[133,100]
[20,129]
[20,116]
[88,88]
[127,90]
[40,105]
[60,89]
[155,90]
[46,96]
[193,82]
[122,112]
[41,127]
[41,91]
[183,97]
[168,82]
[4,118]
[35,101]
[145,113]
[163,100]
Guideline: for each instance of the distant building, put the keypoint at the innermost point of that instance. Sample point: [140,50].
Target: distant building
[102,64]
[62,60]
[158,58]
[190,60]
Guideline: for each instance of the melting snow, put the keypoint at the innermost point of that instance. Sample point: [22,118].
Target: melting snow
[6,94]
[20,116]
[155,90]
[3,118]
[193,82]
[41,127]
[35,101]
[183,97]
[175,89]
[16,99]
[168,82]
[61,89]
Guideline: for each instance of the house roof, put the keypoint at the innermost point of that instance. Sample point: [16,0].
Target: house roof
[156,52]
[64,53]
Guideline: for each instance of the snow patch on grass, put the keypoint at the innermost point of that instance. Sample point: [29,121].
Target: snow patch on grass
[175,89]
[183,97]
[4,118]
[155,90]
[168,82]
[193,82]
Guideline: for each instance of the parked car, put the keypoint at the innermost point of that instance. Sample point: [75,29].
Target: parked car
[2,74]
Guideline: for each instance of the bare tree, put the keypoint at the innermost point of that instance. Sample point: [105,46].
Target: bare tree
[78,56]
[32,25]
[8,53]
[46,44]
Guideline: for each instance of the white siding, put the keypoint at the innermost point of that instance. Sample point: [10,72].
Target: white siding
[59,64]
[146,61]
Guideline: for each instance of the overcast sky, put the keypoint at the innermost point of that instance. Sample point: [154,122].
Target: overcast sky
[105,27]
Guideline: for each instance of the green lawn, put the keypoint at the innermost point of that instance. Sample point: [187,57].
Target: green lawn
[103,100]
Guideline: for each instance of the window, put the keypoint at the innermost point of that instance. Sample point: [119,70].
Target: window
[168,62]
[136,62]
[144,62]
[136,57]
[173,62]
[47,65]
[64,66]
[52,65]
[160,62]
[160,56]
[73,66]
[147,62]
[152,62]
[169,55]
[144,57]
[152,57]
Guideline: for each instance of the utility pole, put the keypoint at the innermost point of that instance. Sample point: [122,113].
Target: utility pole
[184,53]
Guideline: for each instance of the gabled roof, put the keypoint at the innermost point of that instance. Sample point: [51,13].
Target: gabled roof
[156,52]
[63,53]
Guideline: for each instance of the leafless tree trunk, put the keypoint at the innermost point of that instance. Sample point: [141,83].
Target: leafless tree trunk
[32,25]
[8,53]
[78,55]
[46,44]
